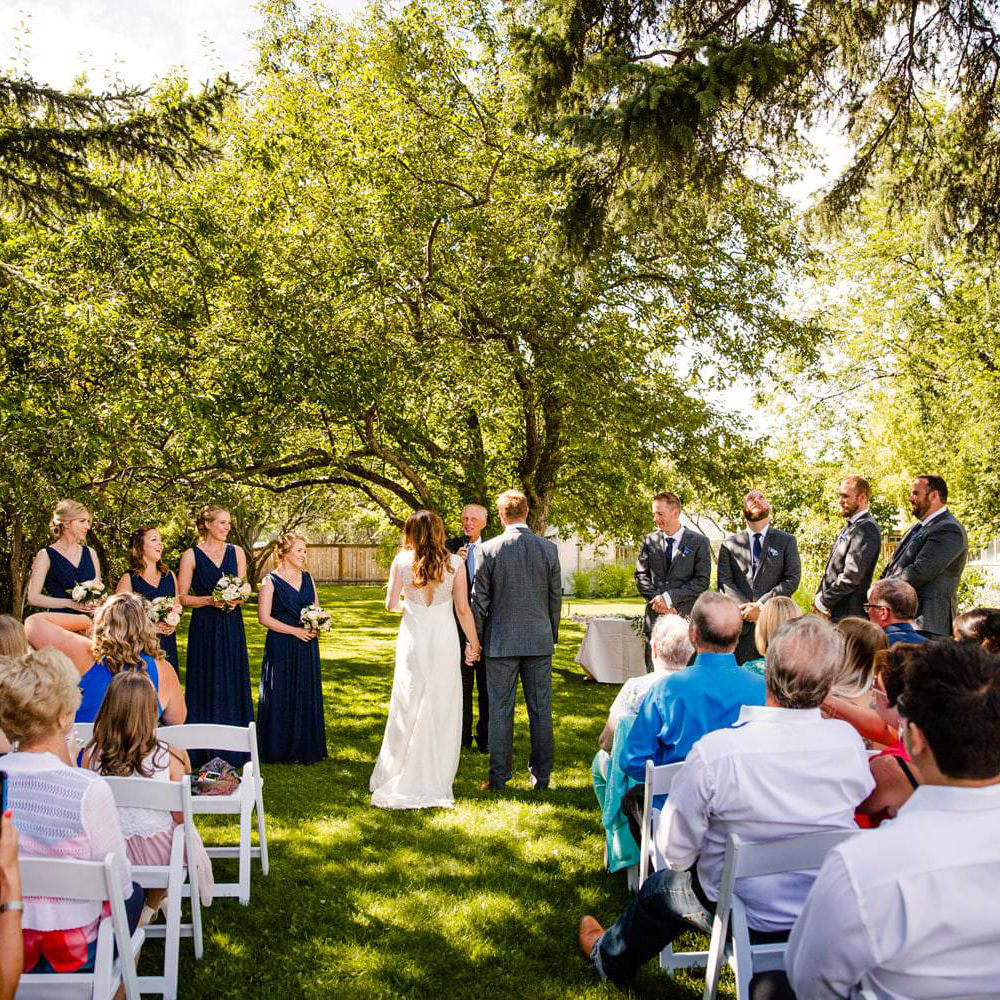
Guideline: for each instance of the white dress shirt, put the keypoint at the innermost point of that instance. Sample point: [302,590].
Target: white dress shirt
[676,536]
[777,773]
[930,517]
[913,903]
[763,536]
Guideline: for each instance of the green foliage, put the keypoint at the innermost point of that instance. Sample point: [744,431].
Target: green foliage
[690,92]
[610,580]
[581,583]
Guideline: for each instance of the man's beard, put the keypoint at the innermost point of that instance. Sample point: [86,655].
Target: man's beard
[755,514]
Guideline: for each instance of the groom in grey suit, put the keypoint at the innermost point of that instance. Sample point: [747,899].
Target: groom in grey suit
[931,556]
[517,601]
[756,565]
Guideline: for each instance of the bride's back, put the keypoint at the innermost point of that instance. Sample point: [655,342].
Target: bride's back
[433,592]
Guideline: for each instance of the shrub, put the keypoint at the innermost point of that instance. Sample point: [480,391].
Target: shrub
[580,584]
[612,581]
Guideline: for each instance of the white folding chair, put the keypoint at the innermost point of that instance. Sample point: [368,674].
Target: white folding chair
[85,730]
[248,797]
[99,882]
[658,782]
[166,796]
[744,860]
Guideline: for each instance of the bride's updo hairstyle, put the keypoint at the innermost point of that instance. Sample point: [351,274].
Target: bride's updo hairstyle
[205,517]
[423,533]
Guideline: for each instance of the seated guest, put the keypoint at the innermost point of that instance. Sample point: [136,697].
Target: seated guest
[12,643]
[671,649]
[896,776]
[909,910]
[892,605]
[980,625]
[11,934]
[850,697]
[123,639]
[60,811]
[782,771]
[124,745]
[773,615]
[708,695]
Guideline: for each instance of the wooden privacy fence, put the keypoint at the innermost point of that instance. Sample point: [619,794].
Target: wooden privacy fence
[341,564]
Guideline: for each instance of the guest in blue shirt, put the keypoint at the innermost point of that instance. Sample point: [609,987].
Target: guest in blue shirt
[892,605]
[678,710]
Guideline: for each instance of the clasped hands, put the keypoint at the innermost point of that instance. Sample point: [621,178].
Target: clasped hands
[472,652]
[659,605]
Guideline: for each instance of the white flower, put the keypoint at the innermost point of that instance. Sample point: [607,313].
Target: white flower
[172,619]
[230,593]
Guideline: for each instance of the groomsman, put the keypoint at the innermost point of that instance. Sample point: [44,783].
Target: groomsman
[931,556]
[674,566]
[848,574]
[469,547]
[756,565]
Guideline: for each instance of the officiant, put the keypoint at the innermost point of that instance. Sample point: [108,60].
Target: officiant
[469,547]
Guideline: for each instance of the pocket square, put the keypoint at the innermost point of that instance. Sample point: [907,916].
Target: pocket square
[772,552]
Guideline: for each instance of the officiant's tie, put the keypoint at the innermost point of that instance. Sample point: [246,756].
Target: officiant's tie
[470,564]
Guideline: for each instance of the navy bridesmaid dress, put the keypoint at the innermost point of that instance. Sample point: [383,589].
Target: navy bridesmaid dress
[63,576]
[165,588]
[217,678]
[290,712]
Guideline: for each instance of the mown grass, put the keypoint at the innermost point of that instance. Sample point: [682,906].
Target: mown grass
[478,901]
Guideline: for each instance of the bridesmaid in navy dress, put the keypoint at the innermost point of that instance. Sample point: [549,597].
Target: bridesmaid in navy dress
[150,577]
[290,711]
[66,562]
[217,681]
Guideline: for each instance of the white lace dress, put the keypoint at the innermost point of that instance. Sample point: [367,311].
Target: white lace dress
[418,761]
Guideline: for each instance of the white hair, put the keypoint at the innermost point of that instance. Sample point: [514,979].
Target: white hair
[670,643]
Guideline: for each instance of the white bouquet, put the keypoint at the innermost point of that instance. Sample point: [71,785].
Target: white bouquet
[88,593]
[315,619]
[163,611]
[231,591]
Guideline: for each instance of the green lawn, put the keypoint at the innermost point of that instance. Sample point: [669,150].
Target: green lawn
[478,901]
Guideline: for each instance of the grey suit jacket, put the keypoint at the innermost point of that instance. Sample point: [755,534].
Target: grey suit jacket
[684,580]
[848,574]
[778,572]
[518,595]
[931,560]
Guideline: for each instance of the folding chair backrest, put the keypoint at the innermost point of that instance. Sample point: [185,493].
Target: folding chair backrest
[85,730]
[96,881]
[658,781]
[206,736]
[137,792]
[787,855]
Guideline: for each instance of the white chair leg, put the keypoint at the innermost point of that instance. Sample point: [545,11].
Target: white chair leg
[261,831]
[245,826]
[195,908]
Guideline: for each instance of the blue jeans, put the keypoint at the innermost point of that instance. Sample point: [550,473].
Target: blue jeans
[536,680]
[668,904]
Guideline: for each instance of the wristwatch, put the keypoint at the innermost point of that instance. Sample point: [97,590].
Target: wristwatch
[14,906]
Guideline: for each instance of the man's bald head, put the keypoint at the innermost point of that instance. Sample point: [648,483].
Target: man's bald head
[716,623]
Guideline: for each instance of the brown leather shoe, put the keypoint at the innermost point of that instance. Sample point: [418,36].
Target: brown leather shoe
[487,787]
[587,934]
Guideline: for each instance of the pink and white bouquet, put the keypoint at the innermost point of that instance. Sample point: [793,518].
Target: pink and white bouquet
[315,619]
[231,591]
[88,593]
[163,611]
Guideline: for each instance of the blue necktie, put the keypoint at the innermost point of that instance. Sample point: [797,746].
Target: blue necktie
[470,563]
[756,551]
[668,553]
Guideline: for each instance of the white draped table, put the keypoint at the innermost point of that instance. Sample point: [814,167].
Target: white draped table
[611,652]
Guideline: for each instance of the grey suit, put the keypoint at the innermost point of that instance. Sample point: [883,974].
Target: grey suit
[517,601]
[931,560]
[848,574]
[685,579]
[777,575]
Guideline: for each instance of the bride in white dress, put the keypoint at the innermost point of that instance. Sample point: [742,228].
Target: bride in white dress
[423,734]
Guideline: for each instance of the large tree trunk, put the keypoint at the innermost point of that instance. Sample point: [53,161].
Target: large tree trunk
[17,568]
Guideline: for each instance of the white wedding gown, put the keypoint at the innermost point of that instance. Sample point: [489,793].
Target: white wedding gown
[418,761]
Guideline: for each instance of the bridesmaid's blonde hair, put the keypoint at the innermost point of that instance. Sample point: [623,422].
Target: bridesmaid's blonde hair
[66,511]
[284,544]
[206,516]
[12,640]
[122,632]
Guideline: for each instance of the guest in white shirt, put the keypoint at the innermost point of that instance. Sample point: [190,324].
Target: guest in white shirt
[781,771]
[913,903]
[671,647]
[59,810]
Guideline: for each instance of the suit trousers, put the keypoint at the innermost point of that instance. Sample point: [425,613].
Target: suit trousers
[501,682]
[475,676]
[746,648]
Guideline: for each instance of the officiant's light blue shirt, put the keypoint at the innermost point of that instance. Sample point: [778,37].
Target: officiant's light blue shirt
[685,705]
